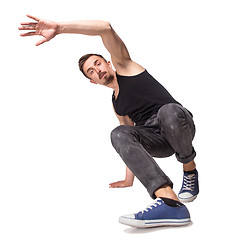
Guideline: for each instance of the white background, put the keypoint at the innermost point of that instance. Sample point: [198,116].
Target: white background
[56,159]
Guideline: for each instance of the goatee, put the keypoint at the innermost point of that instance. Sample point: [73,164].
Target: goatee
[108,80]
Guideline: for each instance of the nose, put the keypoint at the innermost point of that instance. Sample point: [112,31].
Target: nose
[97,69]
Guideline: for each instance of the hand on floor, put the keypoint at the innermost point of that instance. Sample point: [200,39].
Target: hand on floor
[120,184]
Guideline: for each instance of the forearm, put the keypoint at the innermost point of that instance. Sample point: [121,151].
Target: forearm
[129,177]
[86,27]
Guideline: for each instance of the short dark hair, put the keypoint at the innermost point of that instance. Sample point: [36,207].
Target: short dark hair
[84,58]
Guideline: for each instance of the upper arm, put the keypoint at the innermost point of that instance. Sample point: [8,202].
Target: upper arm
[124,120]
[116,47]
[119,53]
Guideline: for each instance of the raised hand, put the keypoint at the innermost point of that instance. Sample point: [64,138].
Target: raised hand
[45,28]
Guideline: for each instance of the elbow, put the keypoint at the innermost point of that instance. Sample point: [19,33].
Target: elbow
[106,28]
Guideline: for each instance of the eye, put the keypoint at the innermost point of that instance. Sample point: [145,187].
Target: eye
[91,72]
[98,64]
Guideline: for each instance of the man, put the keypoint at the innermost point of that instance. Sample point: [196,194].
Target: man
[152,122]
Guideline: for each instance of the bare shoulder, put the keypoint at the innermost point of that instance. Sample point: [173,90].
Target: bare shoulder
[130,68]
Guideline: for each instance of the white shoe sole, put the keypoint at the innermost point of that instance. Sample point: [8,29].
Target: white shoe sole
[153,223]
[187,200]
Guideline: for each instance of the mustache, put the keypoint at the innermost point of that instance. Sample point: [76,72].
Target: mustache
[101,74]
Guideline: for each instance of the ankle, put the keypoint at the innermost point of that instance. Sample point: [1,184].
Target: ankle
[189,166]
[166,192]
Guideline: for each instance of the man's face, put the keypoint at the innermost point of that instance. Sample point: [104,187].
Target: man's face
[99,71]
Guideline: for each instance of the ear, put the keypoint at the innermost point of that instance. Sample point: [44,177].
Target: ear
[109,63]
[93,82]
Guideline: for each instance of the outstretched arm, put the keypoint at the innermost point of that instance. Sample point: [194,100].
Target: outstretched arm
[119,53]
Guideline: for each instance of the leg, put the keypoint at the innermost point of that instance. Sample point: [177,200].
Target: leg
[179,129]
[166,209]
[126,141]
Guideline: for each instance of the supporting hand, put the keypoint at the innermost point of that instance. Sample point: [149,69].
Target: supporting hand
[120,184]
[47,29]
[128,182]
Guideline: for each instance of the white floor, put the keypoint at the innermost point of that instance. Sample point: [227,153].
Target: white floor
[70,199]
[56,159]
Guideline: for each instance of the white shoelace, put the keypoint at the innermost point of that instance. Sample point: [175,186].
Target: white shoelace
[151,206]
[189,182]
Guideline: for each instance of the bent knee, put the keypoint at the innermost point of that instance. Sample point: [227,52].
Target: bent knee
[119,134]
[170,113]
[172,109]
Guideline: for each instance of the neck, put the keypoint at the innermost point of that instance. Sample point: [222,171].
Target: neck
[114,84]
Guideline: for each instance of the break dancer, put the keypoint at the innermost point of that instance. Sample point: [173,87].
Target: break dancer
[152,122]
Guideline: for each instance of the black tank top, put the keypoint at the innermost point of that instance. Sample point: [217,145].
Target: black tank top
[140,97]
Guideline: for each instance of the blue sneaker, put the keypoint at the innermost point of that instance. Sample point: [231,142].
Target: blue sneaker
[158,214]
[190,188]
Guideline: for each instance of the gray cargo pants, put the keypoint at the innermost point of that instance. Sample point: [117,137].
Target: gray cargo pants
[169,131]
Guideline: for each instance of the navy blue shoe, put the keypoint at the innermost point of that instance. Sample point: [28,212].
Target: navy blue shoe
[158,214]
[190,188]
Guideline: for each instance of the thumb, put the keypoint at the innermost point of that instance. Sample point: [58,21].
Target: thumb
[43,40]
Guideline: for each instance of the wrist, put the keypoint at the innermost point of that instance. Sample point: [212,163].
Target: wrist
[129,183]
[60,28]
